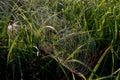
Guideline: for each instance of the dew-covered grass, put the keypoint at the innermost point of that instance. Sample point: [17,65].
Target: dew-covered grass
[59,39]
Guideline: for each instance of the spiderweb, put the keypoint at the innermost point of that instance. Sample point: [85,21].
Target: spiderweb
[73,47]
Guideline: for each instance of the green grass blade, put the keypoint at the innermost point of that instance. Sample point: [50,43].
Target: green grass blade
[11,48]
[98,63]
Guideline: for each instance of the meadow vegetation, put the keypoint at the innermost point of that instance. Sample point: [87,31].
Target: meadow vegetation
[60,40]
